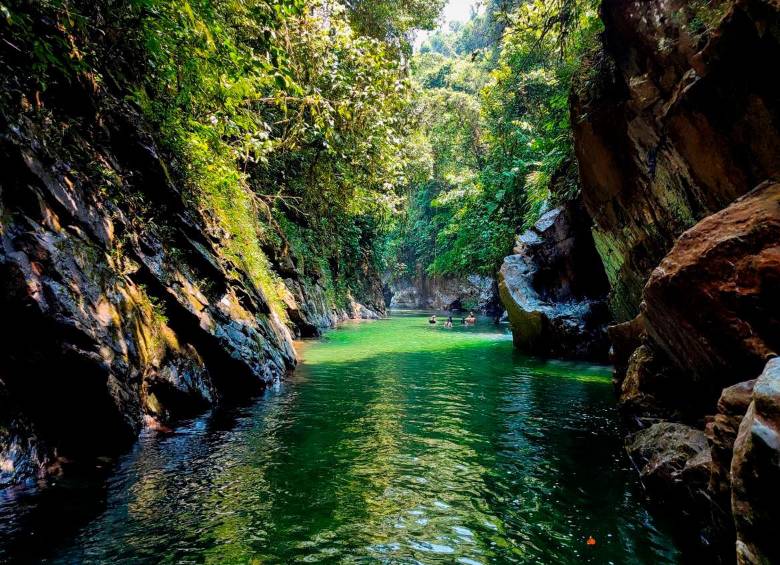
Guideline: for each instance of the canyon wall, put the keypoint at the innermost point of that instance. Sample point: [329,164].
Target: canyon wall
[674,118]
[676,121]
[122,307]
[422,292]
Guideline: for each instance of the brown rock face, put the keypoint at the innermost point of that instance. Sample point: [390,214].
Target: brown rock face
[676,117]
[755,473]
[653,390]
[722,431]
[713,304]
[625,338]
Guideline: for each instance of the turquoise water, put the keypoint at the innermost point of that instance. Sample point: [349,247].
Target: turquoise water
[394,442]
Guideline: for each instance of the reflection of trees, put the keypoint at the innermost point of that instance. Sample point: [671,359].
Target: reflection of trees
[382,451]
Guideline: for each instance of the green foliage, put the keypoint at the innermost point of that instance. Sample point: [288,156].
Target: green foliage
[292,129]
[295,125]
[495,106]
[393,19]
[289,122]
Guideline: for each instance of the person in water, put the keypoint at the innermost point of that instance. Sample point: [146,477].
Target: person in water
[471,320]
[448,323]
[432,319]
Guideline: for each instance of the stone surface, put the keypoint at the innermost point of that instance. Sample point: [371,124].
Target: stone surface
[755,473]
[673,119]
[713,304]
[126,304]
[554,297]
[652,389]
[112,321]
[473,292]
[624,338]
[672,459]
[721,431]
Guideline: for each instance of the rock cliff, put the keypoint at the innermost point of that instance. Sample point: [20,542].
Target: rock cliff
[444,293]
[677,134]
[554,289]
[121,307]
[675,117]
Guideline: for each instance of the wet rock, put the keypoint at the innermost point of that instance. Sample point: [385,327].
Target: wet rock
[712,304]
[651,390]
[721,431]
[113,320]
[673,461]
[673,119]
[21,456]
[755,472]
[554,297]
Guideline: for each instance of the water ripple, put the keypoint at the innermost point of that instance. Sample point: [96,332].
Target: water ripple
[394,442]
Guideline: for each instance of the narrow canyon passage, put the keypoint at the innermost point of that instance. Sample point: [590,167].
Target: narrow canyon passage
[393,441]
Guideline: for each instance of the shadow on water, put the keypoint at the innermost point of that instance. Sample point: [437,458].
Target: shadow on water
[393,442]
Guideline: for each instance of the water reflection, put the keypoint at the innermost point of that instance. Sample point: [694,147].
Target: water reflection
[394,442]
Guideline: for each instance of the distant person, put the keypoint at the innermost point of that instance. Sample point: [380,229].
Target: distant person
[432,319]
[448,323]
[472,319]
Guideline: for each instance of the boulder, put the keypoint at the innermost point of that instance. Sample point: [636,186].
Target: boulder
[721,432]
[673,462]
[675,117]
[713,304]
[625,338]
[554,297]
[652,389]
[755,473]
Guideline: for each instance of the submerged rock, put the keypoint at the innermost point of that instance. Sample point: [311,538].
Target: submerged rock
[554,289]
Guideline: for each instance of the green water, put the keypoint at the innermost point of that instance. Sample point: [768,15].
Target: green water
[393,442]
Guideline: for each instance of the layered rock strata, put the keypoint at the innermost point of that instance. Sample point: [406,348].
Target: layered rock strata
[122,306]
[675,117]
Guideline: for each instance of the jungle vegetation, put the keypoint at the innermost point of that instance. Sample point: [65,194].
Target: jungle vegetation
[312,124]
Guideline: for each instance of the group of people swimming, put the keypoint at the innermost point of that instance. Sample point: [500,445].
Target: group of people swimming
[469,320]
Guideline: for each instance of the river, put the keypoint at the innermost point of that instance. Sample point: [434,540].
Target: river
[393,442]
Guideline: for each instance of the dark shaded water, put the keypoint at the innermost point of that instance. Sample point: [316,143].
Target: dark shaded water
[394,442]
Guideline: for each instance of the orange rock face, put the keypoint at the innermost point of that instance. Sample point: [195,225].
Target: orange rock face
[713,304]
